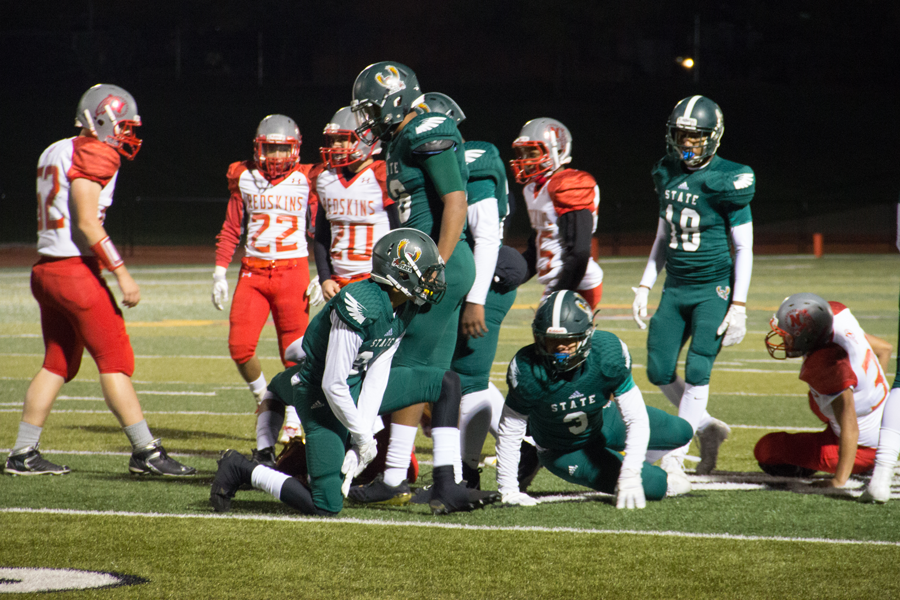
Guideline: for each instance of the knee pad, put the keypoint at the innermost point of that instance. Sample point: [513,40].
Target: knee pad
[241,352]
[698,368]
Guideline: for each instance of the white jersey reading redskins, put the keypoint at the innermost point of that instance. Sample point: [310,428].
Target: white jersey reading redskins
[355,209]
[847,362]
[79,157]
[566,191]
[276,212]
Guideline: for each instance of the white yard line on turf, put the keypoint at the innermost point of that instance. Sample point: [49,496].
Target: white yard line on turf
[459,526]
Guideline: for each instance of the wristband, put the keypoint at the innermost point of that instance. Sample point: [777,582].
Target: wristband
[107,254]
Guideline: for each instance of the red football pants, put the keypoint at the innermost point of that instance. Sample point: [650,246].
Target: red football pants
[817,451]
[280,290]
[78,311]
[593,296]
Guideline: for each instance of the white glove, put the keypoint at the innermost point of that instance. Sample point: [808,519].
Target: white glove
[356,460]
[639,307]
[220,288]
[314,293]
[630,490]
[518,499]
[734,325]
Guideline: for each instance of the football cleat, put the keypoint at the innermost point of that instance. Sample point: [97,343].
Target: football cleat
[28,461]
[378,492]
[529,465]
[879,488]
[264,456]
[153,460]
[677,483]
[710,438]
[471,476]
[447,496]
[234,470]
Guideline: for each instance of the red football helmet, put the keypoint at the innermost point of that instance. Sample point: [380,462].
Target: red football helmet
[111,114]
[342,144]
[277,146]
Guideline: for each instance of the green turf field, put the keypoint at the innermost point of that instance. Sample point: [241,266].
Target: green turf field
[739,534]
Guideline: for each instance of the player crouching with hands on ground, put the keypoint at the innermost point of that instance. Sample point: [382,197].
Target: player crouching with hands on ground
[844,368]
[574,388]
[346,379]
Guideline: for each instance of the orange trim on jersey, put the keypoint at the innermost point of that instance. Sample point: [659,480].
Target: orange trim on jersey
[93,160]
[572,190]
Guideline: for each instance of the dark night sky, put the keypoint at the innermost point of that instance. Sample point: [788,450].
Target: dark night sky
[807,88]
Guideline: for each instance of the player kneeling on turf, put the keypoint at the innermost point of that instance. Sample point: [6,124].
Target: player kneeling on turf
[844,368]
[573,387]
[346,379]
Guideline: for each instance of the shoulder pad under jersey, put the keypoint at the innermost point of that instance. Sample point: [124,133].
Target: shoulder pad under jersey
[434,146]
[484,162]
[362,303]
[732,182]
[612,355]
[427,127]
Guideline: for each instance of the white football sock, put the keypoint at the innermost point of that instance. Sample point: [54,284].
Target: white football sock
[258,387]
[693,405]
[446,449]
[268,424]
[268,480]
[889,436]
[474,422]
[403,439]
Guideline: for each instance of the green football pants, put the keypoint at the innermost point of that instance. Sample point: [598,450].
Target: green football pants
[692,311]
[431,336]
[474,357]
[598,464]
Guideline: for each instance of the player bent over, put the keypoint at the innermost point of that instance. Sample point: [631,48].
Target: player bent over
[844,368]
[343,383]
[76,178]
[573,388]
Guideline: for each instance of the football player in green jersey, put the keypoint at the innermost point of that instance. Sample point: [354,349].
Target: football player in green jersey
[573,388]
[704,202]
[426,177]
[344,379]
[498,271]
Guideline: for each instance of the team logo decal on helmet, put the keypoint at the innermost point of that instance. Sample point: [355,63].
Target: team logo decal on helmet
[392,80]
[408,260]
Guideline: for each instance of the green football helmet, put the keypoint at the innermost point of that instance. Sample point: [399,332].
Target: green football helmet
[804,322]
[563,316]
[702,117]
[437,102]
[409,261]
[383,94]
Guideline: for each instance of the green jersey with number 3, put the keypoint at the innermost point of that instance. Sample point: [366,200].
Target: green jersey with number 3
[408,184]
[564,414]
[701,206]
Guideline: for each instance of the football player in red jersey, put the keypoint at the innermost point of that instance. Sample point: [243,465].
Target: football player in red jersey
[562,207]
[844,368]
[76,179]
[272,193]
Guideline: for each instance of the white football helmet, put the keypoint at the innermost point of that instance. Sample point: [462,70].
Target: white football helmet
[111,114]
[277,132]
[342,144]
[543,145]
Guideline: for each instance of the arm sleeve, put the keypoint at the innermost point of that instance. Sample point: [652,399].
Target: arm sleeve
[575,233]
[393,214]
[742,236]
[657,259]
[484,225]
[322,245]
[637,428]
[230,235]
[510,433]
[374,384]
[343,346]
[443,170]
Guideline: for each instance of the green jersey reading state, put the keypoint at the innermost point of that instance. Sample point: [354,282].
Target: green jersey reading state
[408,184]
[700,207]
[365,308]
[563,414]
